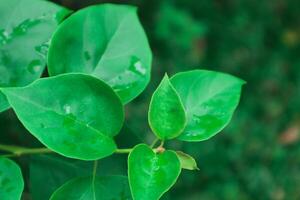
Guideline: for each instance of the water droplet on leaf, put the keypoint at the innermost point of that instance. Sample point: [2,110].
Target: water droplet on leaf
[87,55]
[35,67]
[136,66]
[42,49]
[67,109]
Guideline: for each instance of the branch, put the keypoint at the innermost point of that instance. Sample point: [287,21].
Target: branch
[20,151]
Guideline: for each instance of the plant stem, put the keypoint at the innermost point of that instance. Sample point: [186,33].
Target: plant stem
[123,150]
[20,151]
[11,148]
[16,151]
[154,142]
[161,144]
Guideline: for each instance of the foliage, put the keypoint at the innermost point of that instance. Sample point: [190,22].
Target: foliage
[260,45]
[84,110]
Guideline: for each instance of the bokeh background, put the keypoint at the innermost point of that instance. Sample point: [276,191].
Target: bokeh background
[258,155]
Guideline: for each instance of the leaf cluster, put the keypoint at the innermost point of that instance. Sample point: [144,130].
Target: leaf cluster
[99,60]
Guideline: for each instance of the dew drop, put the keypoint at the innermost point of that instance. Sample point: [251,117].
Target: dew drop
[67,109]
[87,55]
[42,125]
[4,37]
[35,66]
[42,49]
[137,66]
[192,134]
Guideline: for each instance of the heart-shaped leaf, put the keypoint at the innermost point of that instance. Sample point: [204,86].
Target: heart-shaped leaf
[106,41]
[151,174]
[210,99]
[75,115]
[187,161]
[96,188]
[11,180]
[166,113]
[25,29]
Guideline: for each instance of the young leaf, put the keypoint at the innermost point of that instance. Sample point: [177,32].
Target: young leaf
[11,180]
[25,29]
[187,161]
[108,42]
[75,115]
[210,99]
[151,174]
[102,188]
[166,113]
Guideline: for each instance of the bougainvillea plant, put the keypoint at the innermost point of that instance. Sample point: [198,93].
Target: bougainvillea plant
[98,60]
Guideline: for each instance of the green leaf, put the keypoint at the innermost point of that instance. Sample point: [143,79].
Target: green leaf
[25,30]
[75,115]
[151,174]
[102,188]
[108,42]
[166,115]
[187,161]
[210,99]
[11,180]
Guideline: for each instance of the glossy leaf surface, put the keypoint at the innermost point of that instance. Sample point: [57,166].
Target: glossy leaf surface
[187,161]
[25,30]
[11,180]
[75,115]
[151,174]
[210,99]
[166,116]
[108,42]
[97,188]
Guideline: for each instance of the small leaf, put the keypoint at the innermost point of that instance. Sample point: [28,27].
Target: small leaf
[102,188]
[151,174]
[166,113]
[209,98]
[108,42]
[11,180]
[75,115]
[187,161]
[25,30]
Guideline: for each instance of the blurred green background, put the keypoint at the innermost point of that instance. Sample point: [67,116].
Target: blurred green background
[258,155]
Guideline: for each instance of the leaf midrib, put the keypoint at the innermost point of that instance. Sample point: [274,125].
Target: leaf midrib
[211,96]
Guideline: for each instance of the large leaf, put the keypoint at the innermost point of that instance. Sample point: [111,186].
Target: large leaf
[151,174]
[166,113]
[106,41]
[25,29]
[96,188]
[210,99]
[11,180]
[75,115]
